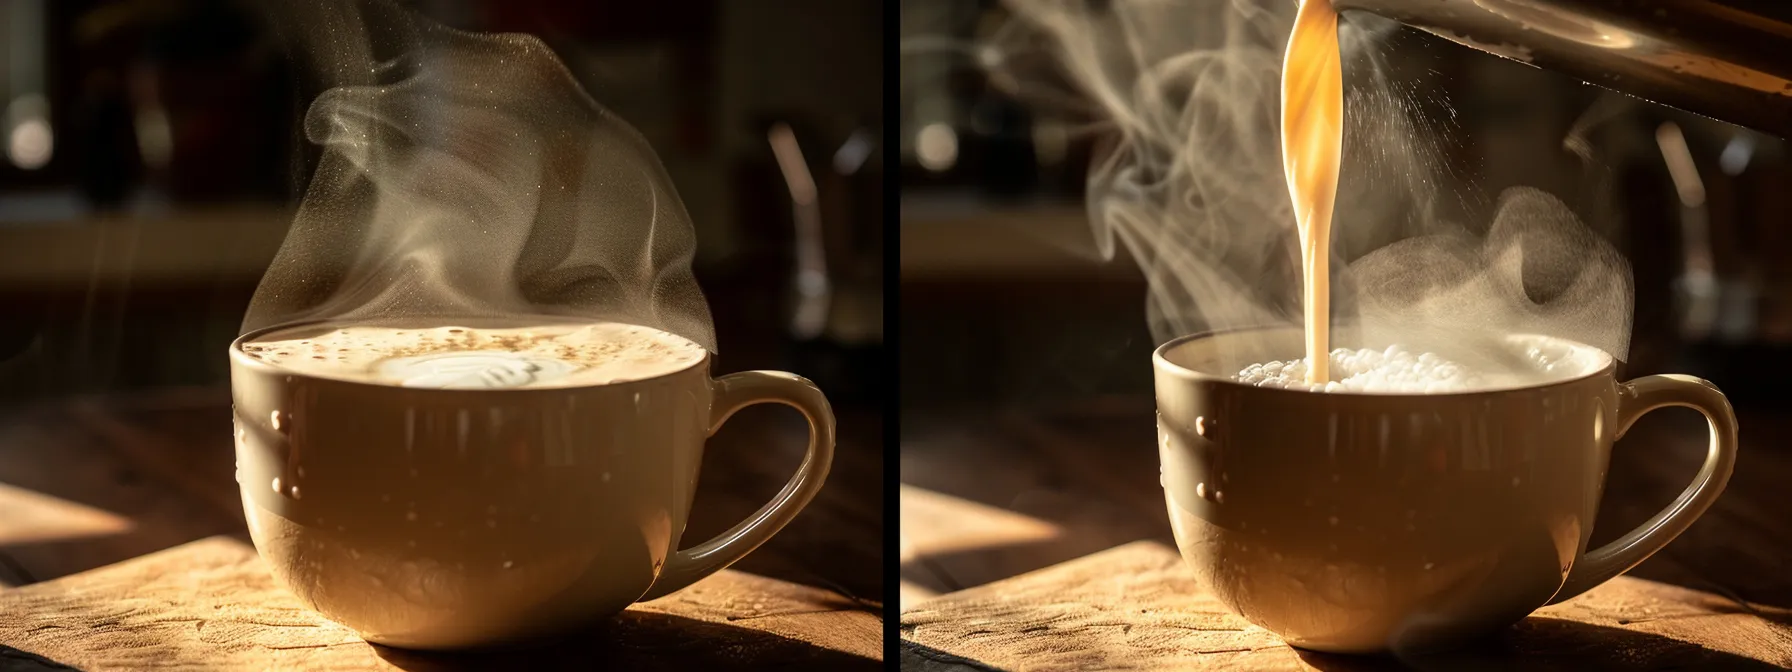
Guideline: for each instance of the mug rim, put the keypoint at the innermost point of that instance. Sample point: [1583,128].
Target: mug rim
[240,358]
[1607,367]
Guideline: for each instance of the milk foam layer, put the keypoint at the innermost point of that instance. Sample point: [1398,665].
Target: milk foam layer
[463,357]
[1397,370]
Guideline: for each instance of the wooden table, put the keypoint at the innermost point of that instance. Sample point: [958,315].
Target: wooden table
[1040,541]
[122,546]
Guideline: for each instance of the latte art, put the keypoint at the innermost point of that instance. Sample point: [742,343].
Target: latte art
[479,358]
[480,370]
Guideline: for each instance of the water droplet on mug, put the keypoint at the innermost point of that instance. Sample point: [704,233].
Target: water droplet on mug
[278,420]
[277,488]
[1219,497]
[1429,565]
[1201,425]
[1201,490]
[606,477]
[491,523]
[509,563]
[1333,520]
[301,472]
[294,490]
[410,515]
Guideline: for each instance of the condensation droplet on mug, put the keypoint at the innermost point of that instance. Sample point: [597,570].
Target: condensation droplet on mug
[1201,425]
[301,472]
[277,419]
[1514,481]
[491,523]
[277,488]
[294,491]
[1429,565]
[1219,497]
[606,477]
[1201,490]
[1333,520]
[410,516]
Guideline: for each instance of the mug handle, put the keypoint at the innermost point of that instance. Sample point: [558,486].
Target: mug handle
[732,393]
[1634,399]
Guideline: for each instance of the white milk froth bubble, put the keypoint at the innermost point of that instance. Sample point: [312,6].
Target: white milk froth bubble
[1397,370]
[467,357]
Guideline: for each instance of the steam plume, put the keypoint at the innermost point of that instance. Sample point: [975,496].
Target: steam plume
[468,175]
[1194,188]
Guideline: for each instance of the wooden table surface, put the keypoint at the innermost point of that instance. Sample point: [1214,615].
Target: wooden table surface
[122,544]
[1008,519]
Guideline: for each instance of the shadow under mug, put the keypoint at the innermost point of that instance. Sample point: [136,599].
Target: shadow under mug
[1357,523]
[454,518]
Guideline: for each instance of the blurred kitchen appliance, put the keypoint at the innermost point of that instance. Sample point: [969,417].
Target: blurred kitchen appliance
[1729,59]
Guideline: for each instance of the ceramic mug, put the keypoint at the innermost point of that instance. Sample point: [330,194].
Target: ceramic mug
[1357,523]
[452,518]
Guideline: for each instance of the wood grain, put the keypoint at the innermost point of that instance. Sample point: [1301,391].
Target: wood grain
[212,605]
[84,503]
[1135,607]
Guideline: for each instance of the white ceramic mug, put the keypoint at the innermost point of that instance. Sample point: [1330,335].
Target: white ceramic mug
[1367,522]
[450,518]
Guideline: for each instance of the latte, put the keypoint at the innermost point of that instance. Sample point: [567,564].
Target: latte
[539,354]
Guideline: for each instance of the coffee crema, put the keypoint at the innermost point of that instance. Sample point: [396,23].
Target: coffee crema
[545,354]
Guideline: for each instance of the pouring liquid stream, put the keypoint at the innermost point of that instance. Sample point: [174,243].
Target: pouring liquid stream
[1312,144]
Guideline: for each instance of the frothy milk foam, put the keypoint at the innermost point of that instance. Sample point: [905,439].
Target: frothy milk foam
[465,357]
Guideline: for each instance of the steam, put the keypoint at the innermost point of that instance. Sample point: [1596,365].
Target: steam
[1194,192]
[469,176]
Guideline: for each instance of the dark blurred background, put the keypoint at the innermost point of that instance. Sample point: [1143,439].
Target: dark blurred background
[150,168]
[1026,379]
[1004,299]
[151,160]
